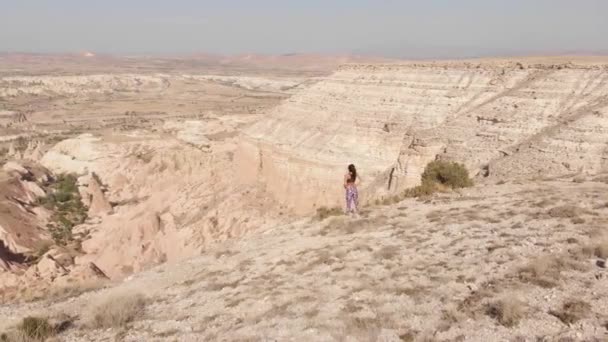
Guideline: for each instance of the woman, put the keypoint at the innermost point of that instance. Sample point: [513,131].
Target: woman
[350,185]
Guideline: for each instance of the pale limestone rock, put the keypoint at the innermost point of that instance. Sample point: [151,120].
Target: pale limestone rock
[11,149]
[392,119]
[98,204]
[173,197]
[48,268]
[34,189]
[12,167]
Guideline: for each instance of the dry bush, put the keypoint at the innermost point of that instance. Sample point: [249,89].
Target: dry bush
[435,216]
[36,328]
[601,179]
[566,211]
[390,200]
[422,190]
[365,328]
[449,317]
[577,220]
[508,311]
[387,252]
[31,329]
[62,293]
[543,203]
[324,212]
[598,249]
[450,174]
[17,336]
[347,226]
[601,249]
[546,271]
[57,294]
[543,272]
[572,311]
[579,179]
[117,311]
[440,176]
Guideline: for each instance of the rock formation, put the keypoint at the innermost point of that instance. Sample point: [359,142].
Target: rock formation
[172,195]
[502,119]
[98,204]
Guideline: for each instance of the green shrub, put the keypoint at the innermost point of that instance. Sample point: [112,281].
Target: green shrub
[36,328]
[450,174]
[63,199]
[63,196]
[67,183]
[440,174]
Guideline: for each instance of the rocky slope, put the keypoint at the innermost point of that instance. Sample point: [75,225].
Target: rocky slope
[503,119]
[510,262]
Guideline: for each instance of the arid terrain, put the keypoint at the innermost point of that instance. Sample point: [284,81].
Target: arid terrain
[197,199]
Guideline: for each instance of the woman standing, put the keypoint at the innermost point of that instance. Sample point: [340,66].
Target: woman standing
[350,185]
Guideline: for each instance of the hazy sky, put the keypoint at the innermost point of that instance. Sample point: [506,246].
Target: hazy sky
[409,28]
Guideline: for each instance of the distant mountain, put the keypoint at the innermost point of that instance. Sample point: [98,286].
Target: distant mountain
[201,62]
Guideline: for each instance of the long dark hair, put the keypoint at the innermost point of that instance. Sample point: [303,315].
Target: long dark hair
[353,172]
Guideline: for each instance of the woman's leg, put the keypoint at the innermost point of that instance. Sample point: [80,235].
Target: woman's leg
[349,201]
[355,202]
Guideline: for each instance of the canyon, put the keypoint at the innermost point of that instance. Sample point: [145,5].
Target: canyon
[201,185]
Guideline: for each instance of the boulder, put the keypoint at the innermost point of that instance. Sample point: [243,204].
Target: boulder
[13,168]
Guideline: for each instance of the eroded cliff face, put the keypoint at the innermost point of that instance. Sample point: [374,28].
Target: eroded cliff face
[89,84]
[501,119]
[171,194]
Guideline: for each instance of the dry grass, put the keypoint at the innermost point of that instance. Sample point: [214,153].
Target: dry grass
[508,311]
[572,311]
[31,329]
[435,216]
[36,328]
[577,220]
[324,212]
[598,249]
[52,294]
[365,328]
[117,311]
[17,336]
[167,333]
[566,211]
[449,317]
[65,292]
[387,252]
[546,271]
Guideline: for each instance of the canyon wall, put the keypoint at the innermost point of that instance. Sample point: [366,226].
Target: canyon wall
[501,119]
[172,193]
